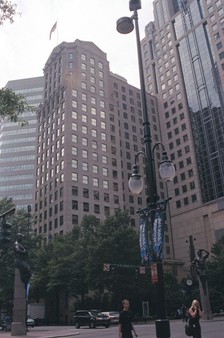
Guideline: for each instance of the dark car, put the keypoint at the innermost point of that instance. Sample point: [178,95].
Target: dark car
[90,318]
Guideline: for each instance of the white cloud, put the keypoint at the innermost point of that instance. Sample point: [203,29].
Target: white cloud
[25,44]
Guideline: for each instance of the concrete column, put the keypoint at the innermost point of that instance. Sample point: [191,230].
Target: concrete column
[18,327]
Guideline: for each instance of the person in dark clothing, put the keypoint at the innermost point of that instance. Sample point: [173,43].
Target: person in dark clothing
[184,313]
[195,315]
[126,326]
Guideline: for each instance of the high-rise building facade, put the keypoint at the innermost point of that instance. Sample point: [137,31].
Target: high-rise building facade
[183,53]
[18,146]
[89,132]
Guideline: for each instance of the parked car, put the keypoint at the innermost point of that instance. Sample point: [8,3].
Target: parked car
[30,322]
[113,315]
[90,318]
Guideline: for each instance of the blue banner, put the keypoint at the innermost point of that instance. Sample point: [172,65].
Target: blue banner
[158,230]
[143,238]
[27,290]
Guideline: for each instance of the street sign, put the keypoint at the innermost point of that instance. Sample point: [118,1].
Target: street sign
[106,267]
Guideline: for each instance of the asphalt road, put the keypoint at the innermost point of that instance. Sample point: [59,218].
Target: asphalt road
[210,329]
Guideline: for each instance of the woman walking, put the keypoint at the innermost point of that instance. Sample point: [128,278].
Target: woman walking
[195,315]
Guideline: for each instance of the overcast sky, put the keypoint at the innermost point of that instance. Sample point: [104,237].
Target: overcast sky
[25,44]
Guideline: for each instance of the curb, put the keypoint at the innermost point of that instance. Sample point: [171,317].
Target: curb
[42,334]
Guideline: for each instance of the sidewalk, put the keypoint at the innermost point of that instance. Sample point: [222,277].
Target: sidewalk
[45,332]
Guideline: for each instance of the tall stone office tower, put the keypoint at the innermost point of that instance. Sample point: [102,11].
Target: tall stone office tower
[183,52]
[18,146]
[89,131]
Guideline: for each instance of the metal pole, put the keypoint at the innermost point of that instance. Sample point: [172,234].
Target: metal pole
[162,324]
[151,185]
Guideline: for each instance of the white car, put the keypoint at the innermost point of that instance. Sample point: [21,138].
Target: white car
[30,322]
[113,315]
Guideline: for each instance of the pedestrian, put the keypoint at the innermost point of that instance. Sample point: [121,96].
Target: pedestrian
[184,312]
[195,314]
[126,326]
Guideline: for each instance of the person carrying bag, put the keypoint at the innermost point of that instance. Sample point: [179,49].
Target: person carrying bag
[193,327]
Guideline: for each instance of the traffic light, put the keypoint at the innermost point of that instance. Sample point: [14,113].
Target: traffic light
[5,233]
[134,4]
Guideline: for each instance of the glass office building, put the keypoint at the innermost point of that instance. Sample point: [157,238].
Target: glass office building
[18,146]
[183,51]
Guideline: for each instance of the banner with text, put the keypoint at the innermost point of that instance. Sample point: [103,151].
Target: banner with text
[158,230]
[143,238]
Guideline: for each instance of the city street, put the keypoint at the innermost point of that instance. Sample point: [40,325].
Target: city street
[210,329]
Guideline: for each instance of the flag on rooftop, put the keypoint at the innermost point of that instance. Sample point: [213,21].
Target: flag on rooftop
[53,29]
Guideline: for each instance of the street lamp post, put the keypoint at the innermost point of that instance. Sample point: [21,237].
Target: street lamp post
[167,171]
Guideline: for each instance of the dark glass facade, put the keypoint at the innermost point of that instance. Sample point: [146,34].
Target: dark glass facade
[205,98]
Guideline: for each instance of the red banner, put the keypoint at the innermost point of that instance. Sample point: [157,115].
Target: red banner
[154,274]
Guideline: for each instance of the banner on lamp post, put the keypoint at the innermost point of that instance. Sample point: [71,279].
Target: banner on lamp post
[154,273]
[143,238]
[158,230]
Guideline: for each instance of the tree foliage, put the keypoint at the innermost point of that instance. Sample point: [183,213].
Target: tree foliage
[19,224]
[7,11]
[72,266]
[216,276]
[12,106]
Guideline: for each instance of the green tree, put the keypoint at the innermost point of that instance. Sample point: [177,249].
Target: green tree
[12,106]
[216,276]
[73,264]
[19,222]
[7,11]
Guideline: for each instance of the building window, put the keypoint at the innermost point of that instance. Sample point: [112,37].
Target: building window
[178,204]
[105,184]
[188,160]
[75,220]
[182,176]
[74,177]
[74,151]
[106,211]
[104,159]
[221,55]
[194,198]
[106,197]
[84,153]
[75,205]
[184,188]
[186,202]
[85,206]
[95,169]
[85,179]
[95,156]
[96,208]
[85,166]
[85,193]
[95,182]
[105,172]
[192,185]
[96,195]
[177,192]
[74,191]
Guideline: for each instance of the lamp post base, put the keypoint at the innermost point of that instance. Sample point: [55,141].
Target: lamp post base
[162,328]
[18,329]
